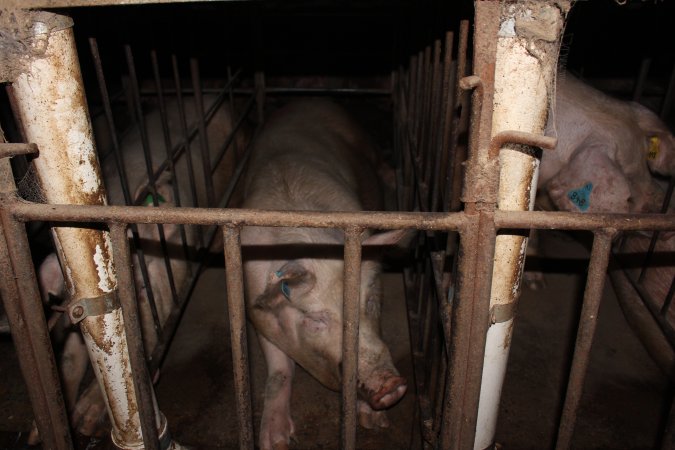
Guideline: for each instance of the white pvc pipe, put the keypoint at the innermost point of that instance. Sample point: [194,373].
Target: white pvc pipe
[526,59]
[52,108]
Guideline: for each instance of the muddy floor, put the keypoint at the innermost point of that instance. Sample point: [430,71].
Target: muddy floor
[621,406]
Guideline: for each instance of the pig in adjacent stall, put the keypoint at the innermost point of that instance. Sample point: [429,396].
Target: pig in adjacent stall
[311,156]
[609,153]
[88,411]
[612,157]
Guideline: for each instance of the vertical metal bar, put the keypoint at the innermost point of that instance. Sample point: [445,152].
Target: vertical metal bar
[459,124]
[433,126]
[203,137]
[655,234]
[132,328]
[23,307]
[236,310]
[602,244]
[350,335]
[175,183]
[445,123]
[152,182]
[459,343]
[121,170]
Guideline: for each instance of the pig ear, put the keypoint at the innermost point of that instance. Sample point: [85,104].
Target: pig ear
[401,238]
[289,281]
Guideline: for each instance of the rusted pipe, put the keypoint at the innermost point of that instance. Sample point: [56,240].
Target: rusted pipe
[8,150]
[350,335]
[24,311]
[602,245]
[525,67]
[236,310]
[26,211]
[149,421]
[52,108]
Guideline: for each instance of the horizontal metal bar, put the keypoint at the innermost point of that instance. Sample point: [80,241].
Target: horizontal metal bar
[9,150]
[581,221]
[27,211]
[50,4]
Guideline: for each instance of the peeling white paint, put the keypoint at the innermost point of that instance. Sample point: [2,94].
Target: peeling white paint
[524,70]
[508,28]
[104,268]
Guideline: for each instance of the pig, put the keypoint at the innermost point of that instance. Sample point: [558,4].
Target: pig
[612,157]
[88,411]
[310,156]
[609,153]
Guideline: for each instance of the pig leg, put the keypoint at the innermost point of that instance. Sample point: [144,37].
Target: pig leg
[277,426]
[74,363]
[90,417]
[369,418]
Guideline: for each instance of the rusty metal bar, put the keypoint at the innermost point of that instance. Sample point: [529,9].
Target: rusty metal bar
[462,307]
[446,107]
[152,177]
[26,211]
[350,335]
[9,150]
[236,310]
[459,124]
[431,149]
[132,328]
[203,137]
[23,307]
[655,234]
[602,245]
[175,183]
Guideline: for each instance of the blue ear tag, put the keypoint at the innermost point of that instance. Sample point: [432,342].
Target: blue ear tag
[285,290]
[581,197]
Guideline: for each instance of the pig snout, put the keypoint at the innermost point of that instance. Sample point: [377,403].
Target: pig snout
[383,390]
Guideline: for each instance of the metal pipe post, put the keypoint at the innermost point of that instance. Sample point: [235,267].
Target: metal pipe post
[51,105]
[526,59]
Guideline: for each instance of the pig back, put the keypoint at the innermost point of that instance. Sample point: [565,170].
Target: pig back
[312,156]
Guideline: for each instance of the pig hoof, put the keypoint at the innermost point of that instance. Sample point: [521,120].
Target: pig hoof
[370,419]
[276,431]
[390,393]
[90,417]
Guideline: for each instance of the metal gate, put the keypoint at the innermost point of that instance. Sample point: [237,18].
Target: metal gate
[448,288]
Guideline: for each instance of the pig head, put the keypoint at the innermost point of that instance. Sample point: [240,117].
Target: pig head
[310,156]
[611,155]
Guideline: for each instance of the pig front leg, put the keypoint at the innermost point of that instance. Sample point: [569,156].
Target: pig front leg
[276,428]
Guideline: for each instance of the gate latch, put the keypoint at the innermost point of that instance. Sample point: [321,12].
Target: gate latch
[94,306]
